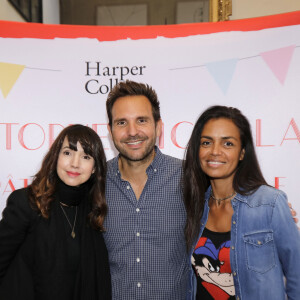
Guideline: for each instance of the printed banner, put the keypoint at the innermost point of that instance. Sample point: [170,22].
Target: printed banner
[55,75]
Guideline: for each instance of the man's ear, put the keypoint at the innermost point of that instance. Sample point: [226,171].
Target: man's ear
[109,129]
[158,128]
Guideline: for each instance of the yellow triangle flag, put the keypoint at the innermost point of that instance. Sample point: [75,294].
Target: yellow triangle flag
[9,73]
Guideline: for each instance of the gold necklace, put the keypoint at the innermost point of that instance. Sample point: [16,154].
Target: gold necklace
[222,199]
[72,227]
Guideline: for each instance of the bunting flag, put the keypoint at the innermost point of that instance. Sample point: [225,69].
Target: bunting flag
[222,72]
[9,73]
[278,61]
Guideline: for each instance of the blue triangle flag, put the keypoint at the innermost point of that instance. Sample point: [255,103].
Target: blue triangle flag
[222,72]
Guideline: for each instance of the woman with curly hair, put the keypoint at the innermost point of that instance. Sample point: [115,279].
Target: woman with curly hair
[51,244]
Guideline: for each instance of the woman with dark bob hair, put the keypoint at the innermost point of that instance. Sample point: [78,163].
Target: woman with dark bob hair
[51,244]
[240,234]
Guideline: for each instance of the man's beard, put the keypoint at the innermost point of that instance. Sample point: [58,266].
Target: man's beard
[144,155]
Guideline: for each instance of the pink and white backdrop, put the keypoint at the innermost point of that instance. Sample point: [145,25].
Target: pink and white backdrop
[55,75]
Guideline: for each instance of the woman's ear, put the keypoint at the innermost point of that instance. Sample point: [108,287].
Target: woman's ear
[242,154]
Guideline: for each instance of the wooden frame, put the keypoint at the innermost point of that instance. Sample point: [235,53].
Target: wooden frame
[208,11]
[220,10]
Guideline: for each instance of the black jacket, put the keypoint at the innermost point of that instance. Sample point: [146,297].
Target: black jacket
[33,257]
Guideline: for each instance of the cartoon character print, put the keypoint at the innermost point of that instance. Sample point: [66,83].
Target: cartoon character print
[213,267]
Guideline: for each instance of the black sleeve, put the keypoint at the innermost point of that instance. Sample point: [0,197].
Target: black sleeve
[15,222]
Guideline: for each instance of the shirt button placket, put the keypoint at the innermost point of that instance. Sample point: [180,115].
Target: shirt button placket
[137,234]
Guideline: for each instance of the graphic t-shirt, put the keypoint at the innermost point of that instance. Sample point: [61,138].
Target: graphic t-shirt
[211,263]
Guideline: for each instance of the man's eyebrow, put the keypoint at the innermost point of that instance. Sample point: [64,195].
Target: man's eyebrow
[143,117]
[119,119]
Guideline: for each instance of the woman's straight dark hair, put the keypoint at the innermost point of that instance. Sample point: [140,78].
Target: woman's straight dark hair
[247,179]
[43,187]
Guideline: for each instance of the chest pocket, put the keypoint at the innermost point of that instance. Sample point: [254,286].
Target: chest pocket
[260,251]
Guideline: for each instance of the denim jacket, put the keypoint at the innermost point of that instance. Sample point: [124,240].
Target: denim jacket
[265,247]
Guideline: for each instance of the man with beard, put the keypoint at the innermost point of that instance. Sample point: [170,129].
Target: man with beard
[146,215]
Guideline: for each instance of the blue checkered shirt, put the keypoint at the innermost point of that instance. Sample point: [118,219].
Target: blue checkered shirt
[145,237]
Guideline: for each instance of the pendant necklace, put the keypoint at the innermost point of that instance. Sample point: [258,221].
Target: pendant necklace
[72,227]
[221,199]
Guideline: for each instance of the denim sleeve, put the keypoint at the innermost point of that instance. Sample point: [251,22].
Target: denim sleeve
[287,239]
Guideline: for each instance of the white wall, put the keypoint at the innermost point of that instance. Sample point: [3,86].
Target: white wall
[242,9]
[51,12]
[8,12]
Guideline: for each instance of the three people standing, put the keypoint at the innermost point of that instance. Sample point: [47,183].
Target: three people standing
[52,233]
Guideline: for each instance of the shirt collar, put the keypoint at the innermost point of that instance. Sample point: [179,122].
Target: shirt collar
[157,159]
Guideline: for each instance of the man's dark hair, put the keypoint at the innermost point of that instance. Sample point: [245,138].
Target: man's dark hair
[132,88]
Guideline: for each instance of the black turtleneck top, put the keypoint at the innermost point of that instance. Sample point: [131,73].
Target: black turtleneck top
[70,199]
